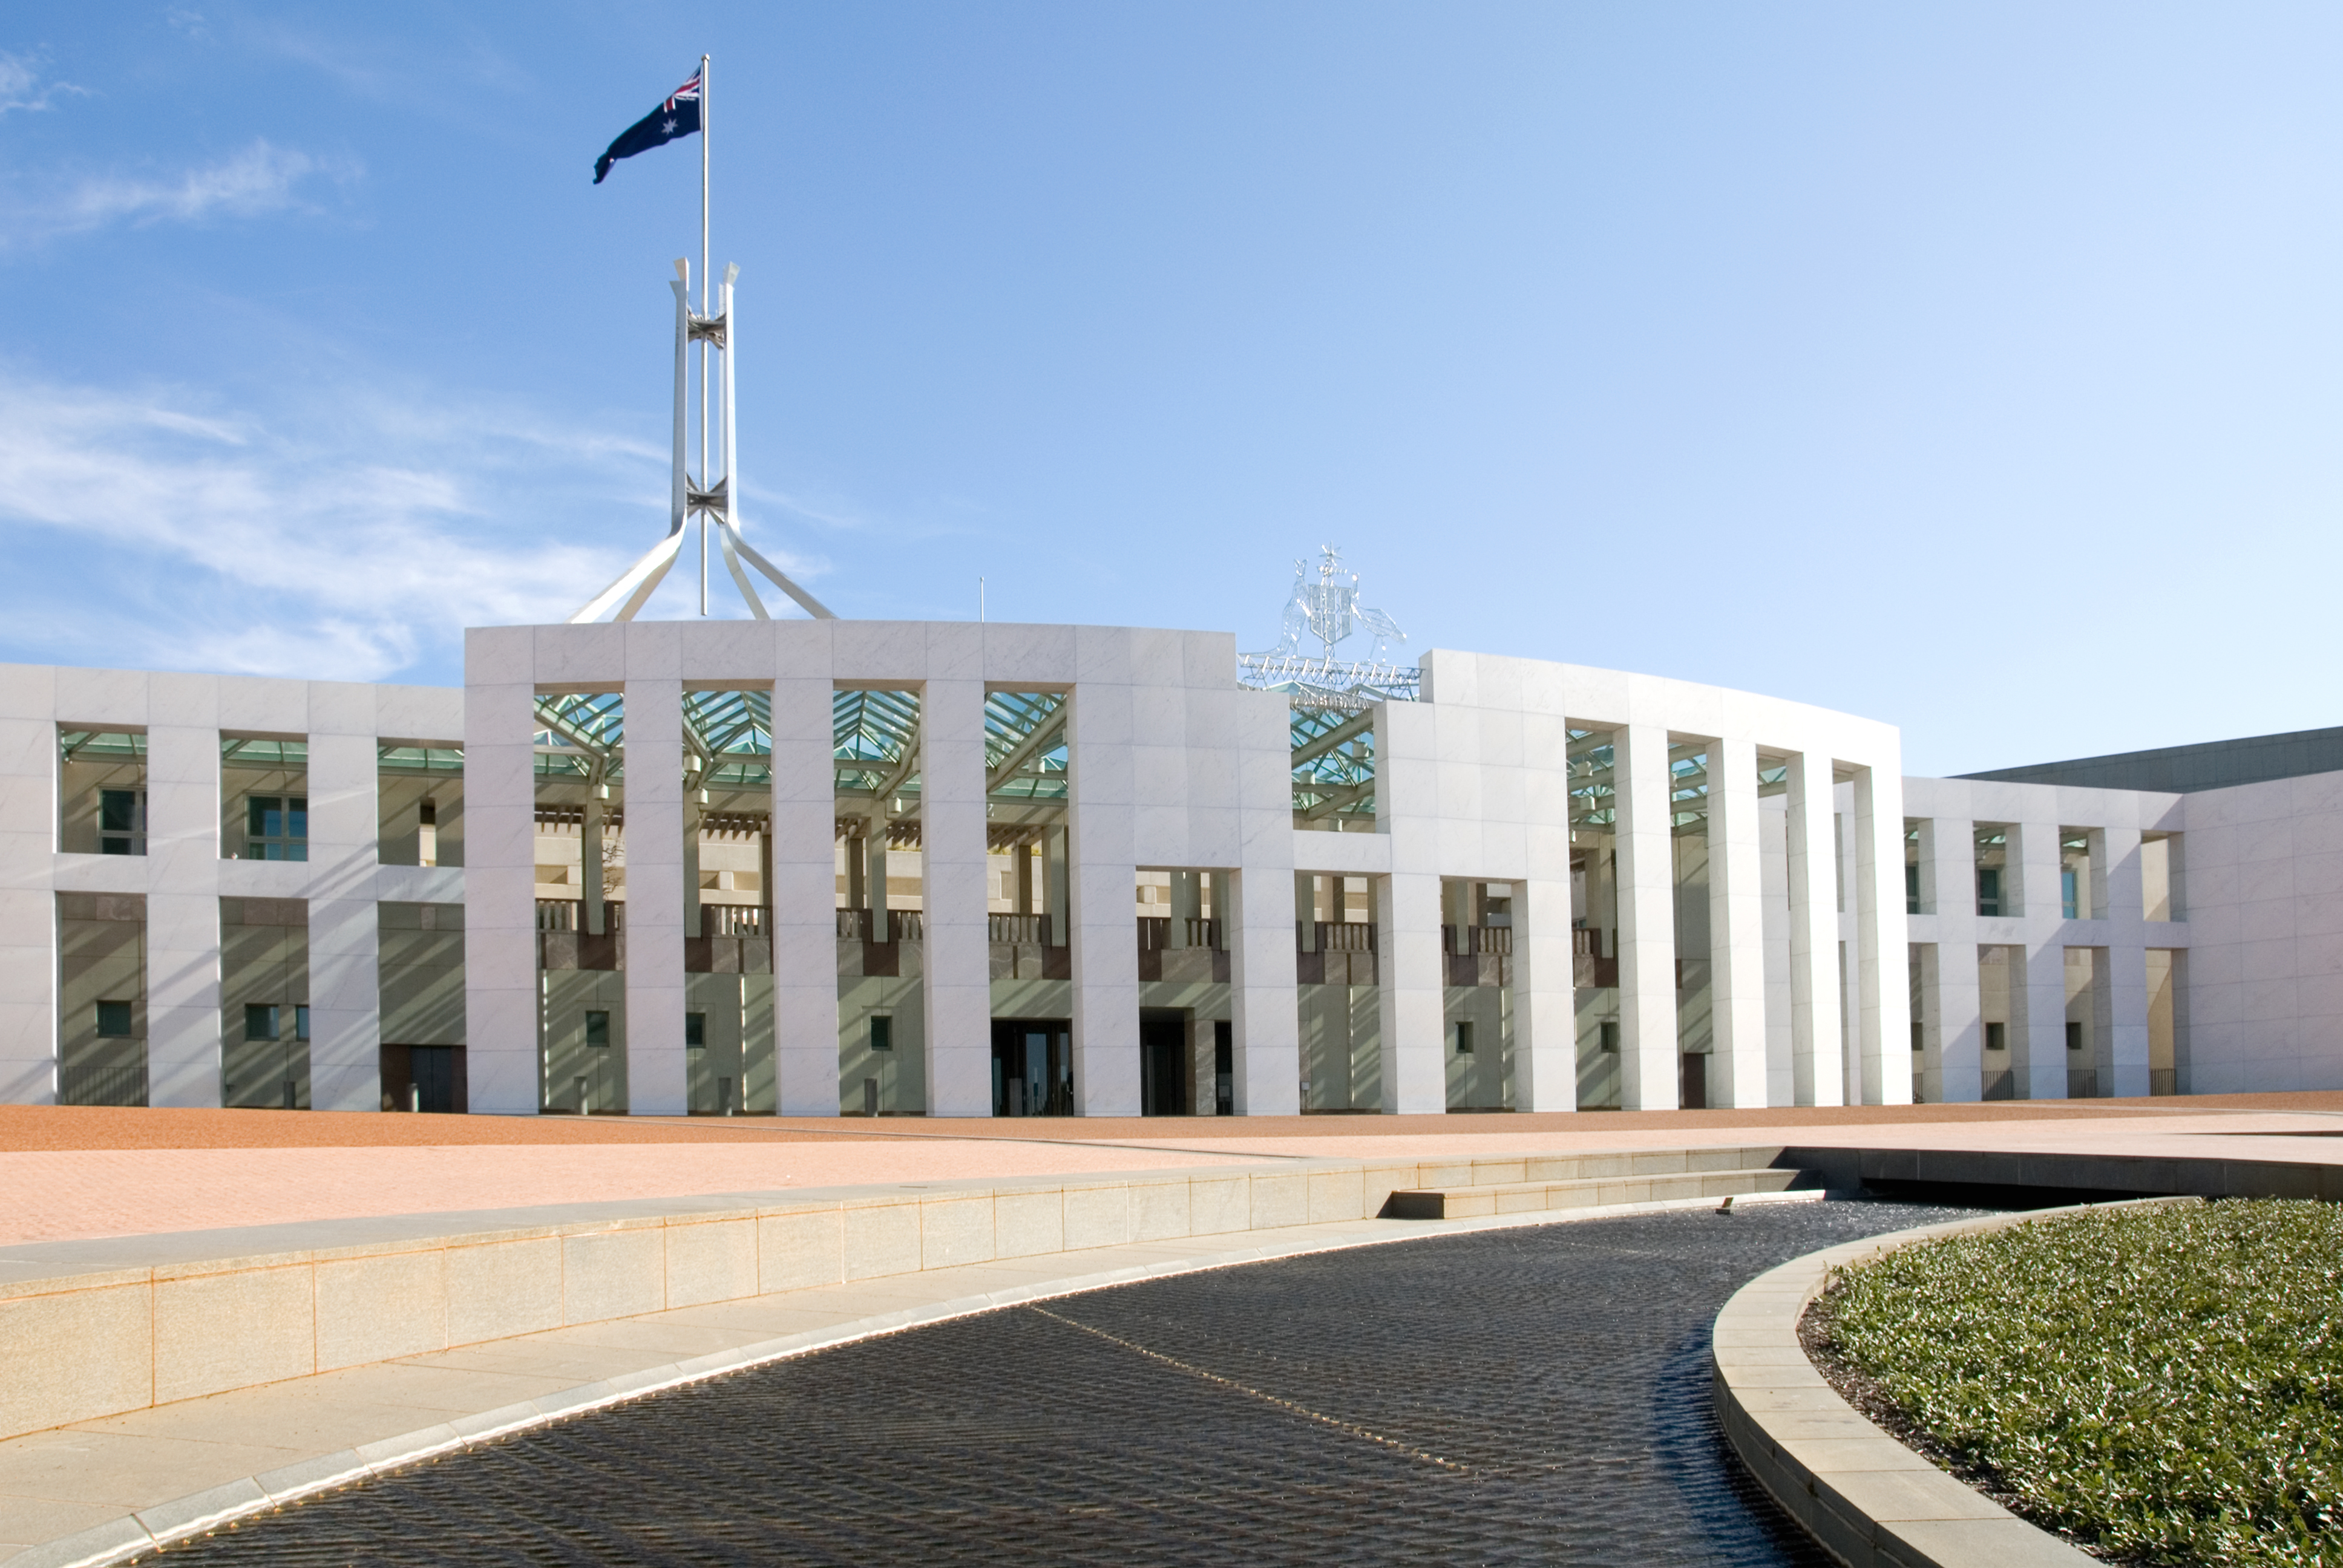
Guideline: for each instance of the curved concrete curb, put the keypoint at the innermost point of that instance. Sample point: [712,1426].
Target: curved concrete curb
[1866,1497]
[134,1535]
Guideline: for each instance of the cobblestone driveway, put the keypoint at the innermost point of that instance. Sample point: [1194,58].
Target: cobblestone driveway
[1532,1395]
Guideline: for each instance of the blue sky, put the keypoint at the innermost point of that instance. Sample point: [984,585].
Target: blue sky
[1972,367]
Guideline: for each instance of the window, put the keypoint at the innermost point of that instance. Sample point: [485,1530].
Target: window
[1996,1037]
[1463,1040]
[114,1021]
[2074,1034]
[122,821]
[597,1028]
[1917,1047]
[1606,1038]
[1996,854]
[1912,889]
[276,827]
[695,1031]
[260,1021]
[2067,891]
[301,1021]
[101,791]
[883,1033]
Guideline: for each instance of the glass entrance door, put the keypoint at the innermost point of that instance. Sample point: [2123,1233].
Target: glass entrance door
[1032,1067]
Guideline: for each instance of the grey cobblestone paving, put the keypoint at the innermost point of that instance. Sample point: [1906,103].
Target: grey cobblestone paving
[1532,1395]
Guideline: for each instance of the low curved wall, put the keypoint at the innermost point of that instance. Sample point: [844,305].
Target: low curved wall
[1864,1496]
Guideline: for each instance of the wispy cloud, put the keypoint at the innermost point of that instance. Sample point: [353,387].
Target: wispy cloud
[21,87]
[150,527]
[260,179]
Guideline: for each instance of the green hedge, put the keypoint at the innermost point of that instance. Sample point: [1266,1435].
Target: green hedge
[2166,1381]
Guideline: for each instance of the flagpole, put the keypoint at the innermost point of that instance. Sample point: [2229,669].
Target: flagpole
[703,310]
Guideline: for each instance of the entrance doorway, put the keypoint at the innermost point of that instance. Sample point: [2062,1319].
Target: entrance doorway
[1162,1062]
[1032,1067]
[1695,1082]
[423,1078]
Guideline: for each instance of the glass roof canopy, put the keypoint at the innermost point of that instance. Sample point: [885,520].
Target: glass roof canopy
[1594,802]
[1025,751]
[875,745]
[100,745]
[1333,763]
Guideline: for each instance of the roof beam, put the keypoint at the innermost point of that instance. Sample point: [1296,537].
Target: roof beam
[1338,798]
[560,725]
[1356,725]
[1038,740]
[905,765]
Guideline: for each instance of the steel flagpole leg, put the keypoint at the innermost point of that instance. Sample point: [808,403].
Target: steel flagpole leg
[704,281]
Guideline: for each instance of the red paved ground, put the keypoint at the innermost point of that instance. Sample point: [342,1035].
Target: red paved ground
[74,1172]
[26,1127]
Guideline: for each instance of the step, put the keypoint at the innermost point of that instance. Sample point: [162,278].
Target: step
[1512,1170]
[1460,1202]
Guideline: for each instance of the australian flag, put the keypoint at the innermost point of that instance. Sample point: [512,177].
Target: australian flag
[679,117]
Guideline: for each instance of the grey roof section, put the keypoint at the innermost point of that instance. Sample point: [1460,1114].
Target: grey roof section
[2185,770]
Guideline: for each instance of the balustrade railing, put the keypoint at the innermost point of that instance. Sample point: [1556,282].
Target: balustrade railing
[858,925]
[1155,932]
[731,921]
[1033,930]
[1345,937]
[569,915]
[1465,942]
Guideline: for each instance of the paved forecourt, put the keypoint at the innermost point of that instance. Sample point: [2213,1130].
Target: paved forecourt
[848,1265]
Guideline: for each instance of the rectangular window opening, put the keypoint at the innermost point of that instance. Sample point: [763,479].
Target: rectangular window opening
[276,827]
[695,1031]
[597,1028]
[1996,1037]
[114,1021]
[882,1032]
[260,1021]
[1993,889]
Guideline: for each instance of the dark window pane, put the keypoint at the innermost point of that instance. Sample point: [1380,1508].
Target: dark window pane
[113,1019]
[260,815]
[882,1034]
[117,810]
[695,1031]
[259,1022]
[597,1028]
[296,817]
[301,1022]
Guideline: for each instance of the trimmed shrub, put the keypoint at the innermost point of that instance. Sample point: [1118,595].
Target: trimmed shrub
[2164,1381]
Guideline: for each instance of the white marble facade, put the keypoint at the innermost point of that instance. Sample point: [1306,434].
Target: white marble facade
[183,876]
[1818,974]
